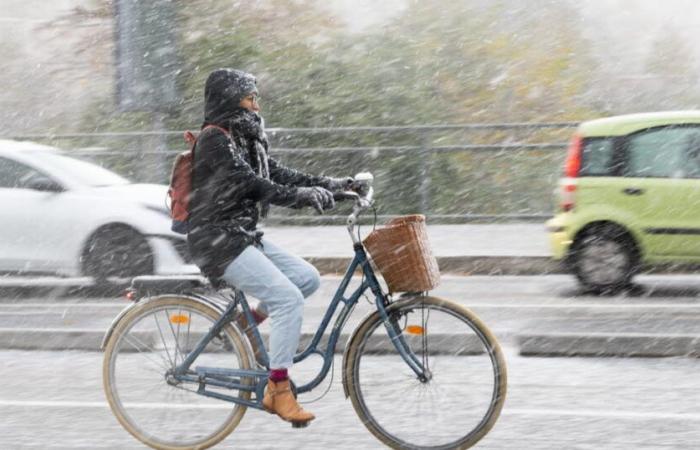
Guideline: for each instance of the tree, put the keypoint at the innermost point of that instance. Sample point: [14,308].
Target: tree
[673,77]
[436,62]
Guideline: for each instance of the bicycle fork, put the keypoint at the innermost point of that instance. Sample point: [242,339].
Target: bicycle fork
[398,339]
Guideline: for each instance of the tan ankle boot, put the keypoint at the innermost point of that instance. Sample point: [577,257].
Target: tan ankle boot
[243,324]
[280,400]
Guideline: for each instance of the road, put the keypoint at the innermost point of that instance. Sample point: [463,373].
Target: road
[55,400]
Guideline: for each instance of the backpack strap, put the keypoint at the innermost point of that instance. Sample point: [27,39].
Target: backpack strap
[191,138]
[222,129]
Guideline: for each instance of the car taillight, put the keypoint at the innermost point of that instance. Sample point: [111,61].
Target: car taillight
[572,168]
[573,157]
[568,194]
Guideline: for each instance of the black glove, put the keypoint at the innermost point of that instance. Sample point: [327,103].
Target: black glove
[339,184]
[318,197]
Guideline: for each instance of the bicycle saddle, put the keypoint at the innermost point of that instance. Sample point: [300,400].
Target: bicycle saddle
[173,284]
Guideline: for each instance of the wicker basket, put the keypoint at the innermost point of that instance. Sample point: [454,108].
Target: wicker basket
[402,254]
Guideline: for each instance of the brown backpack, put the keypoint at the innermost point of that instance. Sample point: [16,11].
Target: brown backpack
[181,182]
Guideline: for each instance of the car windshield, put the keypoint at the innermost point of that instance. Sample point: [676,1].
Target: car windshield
[83,172]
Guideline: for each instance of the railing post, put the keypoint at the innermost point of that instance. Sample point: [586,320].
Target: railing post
[425,156]
[144,166]
[161,147]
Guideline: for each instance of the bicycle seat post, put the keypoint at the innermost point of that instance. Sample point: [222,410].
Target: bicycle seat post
[235,299]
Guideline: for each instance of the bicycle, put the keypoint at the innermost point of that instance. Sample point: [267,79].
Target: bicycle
[178,372]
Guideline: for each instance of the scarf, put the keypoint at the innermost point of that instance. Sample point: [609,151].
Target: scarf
[248,131]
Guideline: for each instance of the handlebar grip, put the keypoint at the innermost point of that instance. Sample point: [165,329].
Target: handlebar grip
[345,195]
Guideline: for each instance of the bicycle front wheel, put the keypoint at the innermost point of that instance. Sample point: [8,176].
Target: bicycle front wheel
[151,404]
[464,388]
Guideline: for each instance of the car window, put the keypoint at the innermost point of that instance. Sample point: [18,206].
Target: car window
[672,152]
[597,157]
[14,174]
[83,172]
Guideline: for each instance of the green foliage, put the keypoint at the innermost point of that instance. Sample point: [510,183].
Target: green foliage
[436,62]
[671,56]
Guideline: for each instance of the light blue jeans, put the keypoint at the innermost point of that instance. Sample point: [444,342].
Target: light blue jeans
[281,281]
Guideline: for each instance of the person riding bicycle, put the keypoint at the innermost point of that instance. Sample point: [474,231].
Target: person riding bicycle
[234,181]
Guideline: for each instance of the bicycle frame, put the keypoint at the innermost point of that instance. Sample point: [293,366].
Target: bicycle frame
[240,379]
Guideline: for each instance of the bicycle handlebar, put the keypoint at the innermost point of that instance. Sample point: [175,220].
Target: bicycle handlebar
[345,195]
[362,202]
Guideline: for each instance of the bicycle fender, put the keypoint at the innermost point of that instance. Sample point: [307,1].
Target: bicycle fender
[114,323]
[200,299]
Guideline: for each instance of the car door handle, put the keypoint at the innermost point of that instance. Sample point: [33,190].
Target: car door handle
[633,191]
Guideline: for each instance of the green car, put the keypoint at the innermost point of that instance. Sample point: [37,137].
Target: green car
[630,196]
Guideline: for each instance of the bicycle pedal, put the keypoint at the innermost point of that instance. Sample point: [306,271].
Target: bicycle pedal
[300,424]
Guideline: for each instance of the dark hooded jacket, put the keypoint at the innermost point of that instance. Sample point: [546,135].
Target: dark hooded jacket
[234,180]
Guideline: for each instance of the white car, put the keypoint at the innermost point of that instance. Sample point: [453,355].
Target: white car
[61,215]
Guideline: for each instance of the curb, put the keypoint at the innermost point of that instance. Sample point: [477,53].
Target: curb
[53,339]
[609,344]
[545,344]
[497,265]
[458,265]
[465,265]
[91,339]
[50,339]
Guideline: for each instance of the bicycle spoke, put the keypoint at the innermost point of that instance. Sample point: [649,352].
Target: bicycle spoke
[424,340]
[165,346]
[448,407]
[155,372]
[175,335]
[131,338]
[156,405]
[187,344]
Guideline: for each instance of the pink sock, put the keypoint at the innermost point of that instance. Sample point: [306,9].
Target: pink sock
[259,318]
[278,375]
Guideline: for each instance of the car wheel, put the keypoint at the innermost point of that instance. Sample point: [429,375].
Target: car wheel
[605,259]
[115,253]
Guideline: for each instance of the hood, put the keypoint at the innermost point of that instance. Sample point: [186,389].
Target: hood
[223,92]
[152,195]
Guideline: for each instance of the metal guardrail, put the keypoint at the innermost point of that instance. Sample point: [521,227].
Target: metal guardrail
[154,149]
[400,148]
[274,131]
[443,219]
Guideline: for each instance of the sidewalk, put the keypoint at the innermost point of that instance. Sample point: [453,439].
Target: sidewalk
[483,249]
[520,239]
[571,328]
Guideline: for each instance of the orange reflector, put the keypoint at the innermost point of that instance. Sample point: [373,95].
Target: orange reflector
[179,319]
[414,329]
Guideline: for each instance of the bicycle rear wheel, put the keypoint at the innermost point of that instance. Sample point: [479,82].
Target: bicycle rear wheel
[157,409]
[466,385]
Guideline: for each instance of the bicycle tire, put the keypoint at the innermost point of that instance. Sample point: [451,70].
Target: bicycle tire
[359,348]
[233,342]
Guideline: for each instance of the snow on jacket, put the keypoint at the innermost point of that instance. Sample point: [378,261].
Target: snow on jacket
[233,182]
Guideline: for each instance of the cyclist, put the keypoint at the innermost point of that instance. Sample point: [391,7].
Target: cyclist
[233,183]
